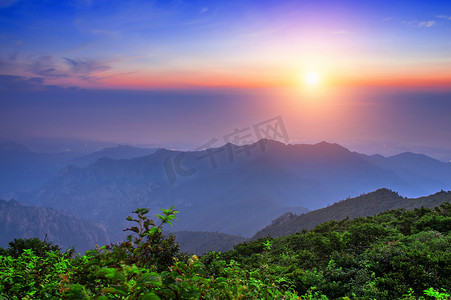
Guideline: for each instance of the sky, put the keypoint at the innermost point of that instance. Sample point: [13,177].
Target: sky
[180,73]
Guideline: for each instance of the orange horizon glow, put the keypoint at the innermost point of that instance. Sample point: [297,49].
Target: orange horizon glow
[207,80]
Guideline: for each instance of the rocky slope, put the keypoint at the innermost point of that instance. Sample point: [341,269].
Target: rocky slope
[18,221]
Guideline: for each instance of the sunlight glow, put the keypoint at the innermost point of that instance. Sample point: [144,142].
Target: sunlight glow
[312,78]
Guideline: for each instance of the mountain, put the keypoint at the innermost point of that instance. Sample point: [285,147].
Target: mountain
[18,221]
[231,189]
[429,173]
[119,152]
[13,147]
[362,206]
[200,242]
[23,171]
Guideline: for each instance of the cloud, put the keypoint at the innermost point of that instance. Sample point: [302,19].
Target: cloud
[426,24]
[7,61]
[51,67]
[203,10]
[14,84]
[86,66]
[21,83]
[47,67]
[420,24]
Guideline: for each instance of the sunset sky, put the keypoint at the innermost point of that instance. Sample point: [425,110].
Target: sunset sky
[183,72]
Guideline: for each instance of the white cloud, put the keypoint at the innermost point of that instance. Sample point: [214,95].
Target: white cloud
[443,17]
[426,24]
[203,10]
[421,24]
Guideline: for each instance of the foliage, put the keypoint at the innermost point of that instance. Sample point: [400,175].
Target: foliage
[381,257]
[30,276]
[362,206]
[395,255]
[17,247]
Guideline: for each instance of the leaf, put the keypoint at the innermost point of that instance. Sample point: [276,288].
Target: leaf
[153,278]
[152,231]
[134,229]
[150,296]
[107,272]
[220,280]
[114,290]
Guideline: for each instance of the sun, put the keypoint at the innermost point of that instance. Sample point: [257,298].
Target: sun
[312,78]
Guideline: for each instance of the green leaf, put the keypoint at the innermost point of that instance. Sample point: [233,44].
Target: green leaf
[153,230]
[153,278]
[150,296]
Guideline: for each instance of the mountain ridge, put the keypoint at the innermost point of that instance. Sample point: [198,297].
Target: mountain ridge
[362,206]
[222,183]
[19,221]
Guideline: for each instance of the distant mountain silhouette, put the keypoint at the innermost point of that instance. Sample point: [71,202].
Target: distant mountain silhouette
[13,147]
[200,242]
[18,221]
[23,171]
[362,206]
[234,189]
[119,152]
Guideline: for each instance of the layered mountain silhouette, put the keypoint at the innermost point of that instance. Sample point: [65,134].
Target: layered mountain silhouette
[18,221]
[365,205]
[23,171]
[235,189]
[118,152]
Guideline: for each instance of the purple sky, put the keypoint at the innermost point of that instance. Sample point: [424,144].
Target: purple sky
[179,73]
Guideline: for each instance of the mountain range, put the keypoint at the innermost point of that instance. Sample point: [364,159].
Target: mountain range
[234,189]
[18,221]
[118,152]
[23,171]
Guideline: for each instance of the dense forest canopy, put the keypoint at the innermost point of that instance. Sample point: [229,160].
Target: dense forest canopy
[397,254]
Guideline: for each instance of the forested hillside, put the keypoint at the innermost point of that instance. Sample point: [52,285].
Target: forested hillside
[362,206]
[397,254]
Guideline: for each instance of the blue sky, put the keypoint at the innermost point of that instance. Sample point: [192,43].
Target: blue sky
[161,44]
[182,72]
